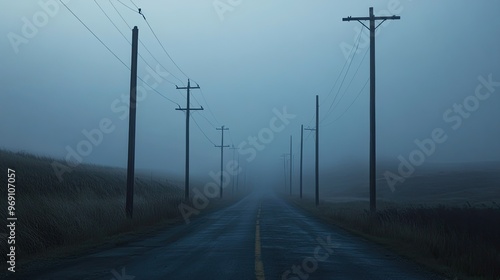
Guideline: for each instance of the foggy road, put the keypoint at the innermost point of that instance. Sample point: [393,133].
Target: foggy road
[259,237]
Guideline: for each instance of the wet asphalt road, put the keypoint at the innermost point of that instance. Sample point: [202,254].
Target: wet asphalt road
[260,237]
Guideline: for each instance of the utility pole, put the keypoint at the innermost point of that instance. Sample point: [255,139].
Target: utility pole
[284,156]
[291,161]
[222,128]
[234,149]
[317,151]
[301,154]
[129,201]
[372,18]
[187,109]
[245,180]
[238,174]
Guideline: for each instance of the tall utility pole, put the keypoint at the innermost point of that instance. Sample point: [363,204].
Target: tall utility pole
[372,18]
[234,149]
[187,109]
[317,150]
[238,174]
[301,153]
[245,180]
[129,201]
[284,156]
[291,162]
[316,169]
[222,128]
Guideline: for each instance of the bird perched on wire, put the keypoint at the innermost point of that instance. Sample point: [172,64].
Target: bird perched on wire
[140,12]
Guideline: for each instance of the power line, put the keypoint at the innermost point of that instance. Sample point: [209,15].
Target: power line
[346,89]
[209,109]
[112,22]
[204,134]
[195,99]
[130,8]
[134,4]
[159,92]
[307,137]
[208,106]
[231,136]
[349,58]
[116,56]
[343,79]
[203,116]
[145,46]
[125,37]
[343,113]
[163,47]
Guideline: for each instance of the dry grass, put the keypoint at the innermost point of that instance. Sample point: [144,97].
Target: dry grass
[462,242]
[86,208]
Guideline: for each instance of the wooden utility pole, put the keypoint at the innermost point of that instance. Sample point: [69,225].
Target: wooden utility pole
[232,176]
[284,156]
[291,161]
[187,109]
[372,18]
[222,128]
[238,174]
[245,180]
[301,154]
[316,169]
[129,201]
[317,150]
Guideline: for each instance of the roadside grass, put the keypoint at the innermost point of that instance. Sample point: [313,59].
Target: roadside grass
[86,209]
[461,242]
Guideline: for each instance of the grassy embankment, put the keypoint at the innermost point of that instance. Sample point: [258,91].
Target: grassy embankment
[461,242]
[86,209]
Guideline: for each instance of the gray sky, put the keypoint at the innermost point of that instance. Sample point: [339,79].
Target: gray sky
[250,57]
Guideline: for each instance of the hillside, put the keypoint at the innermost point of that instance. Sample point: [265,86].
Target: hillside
[88,205]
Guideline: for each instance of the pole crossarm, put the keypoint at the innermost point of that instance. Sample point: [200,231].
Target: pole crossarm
[188,87]
[190,109]
[361,19]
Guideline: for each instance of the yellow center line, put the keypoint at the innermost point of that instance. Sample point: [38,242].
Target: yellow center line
[259,267]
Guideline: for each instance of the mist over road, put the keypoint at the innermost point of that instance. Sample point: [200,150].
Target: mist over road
[259,237]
